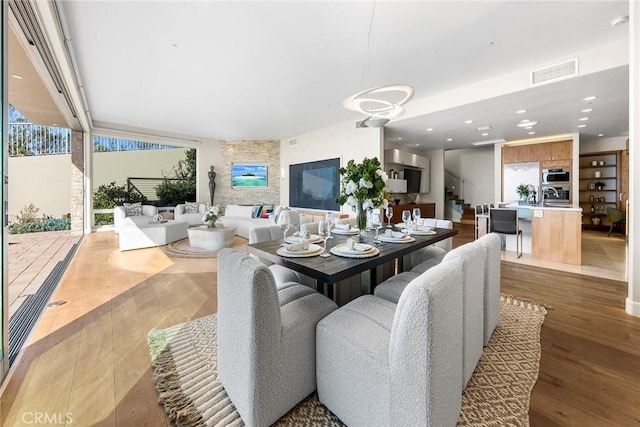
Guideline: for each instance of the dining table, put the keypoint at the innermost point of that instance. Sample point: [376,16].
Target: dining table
[330,270]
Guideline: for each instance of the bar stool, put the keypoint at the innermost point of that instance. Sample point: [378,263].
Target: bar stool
[505,221]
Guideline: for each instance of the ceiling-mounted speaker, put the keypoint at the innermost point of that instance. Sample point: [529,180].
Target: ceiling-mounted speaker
[555,72]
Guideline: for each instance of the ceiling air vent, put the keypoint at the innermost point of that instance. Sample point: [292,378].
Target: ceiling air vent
[555,72]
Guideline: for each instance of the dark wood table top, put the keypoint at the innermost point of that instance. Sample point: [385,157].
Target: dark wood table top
[336,268]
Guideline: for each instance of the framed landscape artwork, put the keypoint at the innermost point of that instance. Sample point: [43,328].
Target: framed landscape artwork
[249,175]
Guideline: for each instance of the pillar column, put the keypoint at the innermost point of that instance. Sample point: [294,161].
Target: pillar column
[77,183]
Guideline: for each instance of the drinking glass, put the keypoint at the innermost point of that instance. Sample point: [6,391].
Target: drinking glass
[376,223]
[324,232]
[389,213]
[416,215]
[285,226]
[406,217]
[329,221]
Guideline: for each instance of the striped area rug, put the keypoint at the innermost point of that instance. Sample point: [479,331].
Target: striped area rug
[185,373]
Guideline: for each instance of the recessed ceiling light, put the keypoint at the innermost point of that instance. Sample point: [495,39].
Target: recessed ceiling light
[582,126]
[619,20]
[521,111]
[587,110]
[17,76]
[429,129]
[483,128]
[54,124]
[524,121]
[529,127]
[583,119]
[531,133]
[485,134]
[526,124]
[417,145]
[468,122]
[449,139]
[589,98]
[601,134]
[399,138]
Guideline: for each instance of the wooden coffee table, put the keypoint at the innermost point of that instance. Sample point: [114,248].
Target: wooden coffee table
[212,239]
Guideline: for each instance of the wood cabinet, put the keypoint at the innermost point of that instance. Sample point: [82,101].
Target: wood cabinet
[518,154]
[551,226]
[427,210]
[549,151]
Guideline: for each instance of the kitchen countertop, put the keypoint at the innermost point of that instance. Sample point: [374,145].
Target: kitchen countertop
[547,207]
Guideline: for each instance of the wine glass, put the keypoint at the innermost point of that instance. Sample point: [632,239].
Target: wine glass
[416,216]
[285,226]
[389,213]
[406,217]
[376,223]
[324,232]
[329,221]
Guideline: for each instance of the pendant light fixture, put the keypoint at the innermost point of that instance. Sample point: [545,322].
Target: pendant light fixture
[380,104]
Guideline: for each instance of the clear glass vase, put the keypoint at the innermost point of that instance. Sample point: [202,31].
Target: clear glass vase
[361,221]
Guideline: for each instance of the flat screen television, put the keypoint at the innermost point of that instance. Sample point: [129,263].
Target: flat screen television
[413,180]
[315,185]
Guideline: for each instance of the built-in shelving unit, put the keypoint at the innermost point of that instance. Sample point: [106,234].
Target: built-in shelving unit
[598,186]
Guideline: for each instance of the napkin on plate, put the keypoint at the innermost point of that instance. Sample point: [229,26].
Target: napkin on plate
[302,245]
[355,246]
[303,234]
[345,227]
[394,234]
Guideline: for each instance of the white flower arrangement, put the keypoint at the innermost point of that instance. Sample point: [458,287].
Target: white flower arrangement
[211,216]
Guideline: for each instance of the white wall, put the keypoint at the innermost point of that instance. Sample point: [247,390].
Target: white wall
[341,140]
[118,165]
[436,195]
[44,181]
[475,167]
[604,144]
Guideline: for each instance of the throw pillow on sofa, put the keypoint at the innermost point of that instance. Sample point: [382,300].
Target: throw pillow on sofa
[265,211]
[191,207]
[132,209]
[255,213]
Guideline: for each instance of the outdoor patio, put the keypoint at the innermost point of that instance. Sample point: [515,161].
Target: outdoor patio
[32,256]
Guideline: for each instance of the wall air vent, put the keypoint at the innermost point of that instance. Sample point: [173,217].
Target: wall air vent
[292,142]
[555,72]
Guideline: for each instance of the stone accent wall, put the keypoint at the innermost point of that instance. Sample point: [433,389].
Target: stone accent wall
[267,152]
[77,183]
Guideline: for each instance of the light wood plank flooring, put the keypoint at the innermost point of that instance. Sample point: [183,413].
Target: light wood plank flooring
[89,357]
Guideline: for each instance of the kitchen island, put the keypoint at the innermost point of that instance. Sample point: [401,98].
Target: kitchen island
[549,233]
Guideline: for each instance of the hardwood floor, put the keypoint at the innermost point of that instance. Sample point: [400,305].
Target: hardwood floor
[88,357]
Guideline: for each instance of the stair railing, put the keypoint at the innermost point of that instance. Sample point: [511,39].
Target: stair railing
[453,183]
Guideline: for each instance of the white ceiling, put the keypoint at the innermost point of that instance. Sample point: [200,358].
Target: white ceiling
[264,69]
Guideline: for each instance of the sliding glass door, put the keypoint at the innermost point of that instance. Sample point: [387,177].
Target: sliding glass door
[4,281]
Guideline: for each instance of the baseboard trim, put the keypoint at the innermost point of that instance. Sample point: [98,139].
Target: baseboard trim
[632,307]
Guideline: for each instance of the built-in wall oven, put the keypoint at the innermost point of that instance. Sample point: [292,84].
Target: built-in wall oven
[553,176]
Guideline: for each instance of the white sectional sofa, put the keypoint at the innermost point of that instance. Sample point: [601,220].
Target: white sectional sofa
[120,218]
[239,217]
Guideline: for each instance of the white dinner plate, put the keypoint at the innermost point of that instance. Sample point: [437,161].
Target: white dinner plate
[352,231]
[313,238]
[312,251]
[342,250]
[404,239]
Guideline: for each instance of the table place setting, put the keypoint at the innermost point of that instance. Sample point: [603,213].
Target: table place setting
[352,249]
[390,236]
[299,236]
[300,249]
[345,230]
[419,230]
